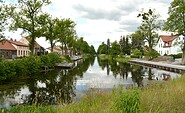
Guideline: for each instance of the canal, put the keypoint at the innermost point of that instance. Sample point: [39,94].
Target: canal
[65,86]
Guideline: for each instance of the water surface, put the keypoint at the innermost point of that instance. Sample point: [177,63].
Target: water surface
[65,86]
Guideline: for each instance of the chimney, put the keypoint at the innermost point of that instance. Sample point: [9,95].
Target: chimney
[15,40]
[11,39]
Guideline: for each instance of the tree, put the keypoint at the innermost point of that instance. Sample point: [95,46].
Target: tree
[176,21]
[149,27]
[5,14]
[127,46]
[115,49]
[102,49]
[122,44]
[66,32]
[26,17]
[108,46]
[137,41]
[49,28]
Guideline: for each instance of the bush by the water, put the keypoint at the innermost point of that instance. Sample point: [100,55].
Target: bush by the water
[176,55]
[27,65]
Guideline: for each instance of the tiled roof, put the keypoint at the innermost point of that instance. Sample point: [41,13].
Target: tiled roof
[167,38]
[36,44]
[18,43]
[6,45]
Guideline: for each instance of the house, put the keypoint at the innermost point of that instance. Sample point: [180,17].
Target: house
[7,50]
[56,49]
[166,45]
[10,49]
[22,49]
[38,49]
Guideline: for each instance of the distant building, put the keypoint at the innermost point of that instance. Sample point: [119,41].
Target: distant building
[22,49]
[38,49]
[166,45]
[7,50]
[10,49]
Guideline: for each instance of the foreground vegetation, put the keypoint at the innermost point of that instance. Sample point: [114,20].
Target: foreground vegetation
[155,98]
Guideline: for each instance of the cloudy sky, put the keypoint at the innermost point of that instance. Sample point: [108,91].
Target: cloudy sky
[98,20]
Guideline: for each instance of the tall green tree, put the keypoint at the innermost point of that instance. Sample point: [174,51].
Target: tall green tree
[66,32]
[149,27]
[115,48]
[49,29]
[127,45]
[137,40]
[5,14]
[176,21]
[108,46]
[122,44]
[102,49]
[26,17]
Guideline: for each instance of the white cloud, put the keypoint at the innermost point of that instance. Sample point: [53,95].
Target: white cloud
[98,20]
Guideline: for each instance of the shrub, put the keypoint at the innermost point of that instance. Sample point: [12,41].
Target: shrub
[7,70]
[176,55]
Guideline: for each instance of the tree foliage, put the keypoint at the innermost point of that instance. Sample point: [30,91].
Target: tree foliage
[5,14]
[115,48]
[102,49]
[125,45]
[176,21]
[149,27]
[66,32]
[27,17]
[49,29]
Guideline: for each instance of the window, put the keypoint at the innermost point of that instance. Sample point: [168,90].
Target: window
[19,52]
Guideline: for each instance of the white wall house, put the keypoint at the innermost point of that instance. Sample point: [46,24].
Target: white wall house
[166,45]
[22,49]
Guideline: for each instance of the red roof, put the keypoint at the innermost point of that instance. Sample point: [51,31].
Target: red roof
[18,43]
[6,45]
[166,38]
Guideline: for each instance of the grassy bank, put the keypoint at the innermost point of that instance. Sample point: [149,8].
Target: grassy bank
[118,59]
[166,97]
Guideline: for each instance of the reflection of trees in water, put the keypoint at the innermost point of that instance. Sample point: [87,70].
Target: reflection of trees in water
[124,69]
[58,88]
[55,87]
[115,68]
[137,74]
[150,74]
[8,90]
[102,63]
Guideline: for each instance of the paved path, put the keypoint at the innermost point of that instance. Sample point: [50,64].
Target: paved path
[159,64]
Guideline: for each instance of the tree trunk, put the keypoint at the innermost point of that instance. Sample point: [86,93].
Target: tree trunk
[183,54]
[52,46]
[32,45]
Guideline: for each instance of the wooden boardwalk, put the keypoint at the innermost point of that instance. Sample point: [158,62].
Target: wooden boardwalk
[65,65]
[160,65]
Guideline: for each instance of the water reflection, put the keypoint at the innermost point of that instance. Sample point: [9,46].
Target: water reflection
[65,86]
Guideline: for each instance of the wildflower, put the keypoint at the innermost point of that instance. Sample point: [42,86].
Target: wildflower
[85,96]
[104,92]
[99,92]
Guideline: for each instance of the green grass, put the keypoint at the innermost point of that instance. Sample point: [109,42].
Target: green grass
[118,59]
[164,97]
